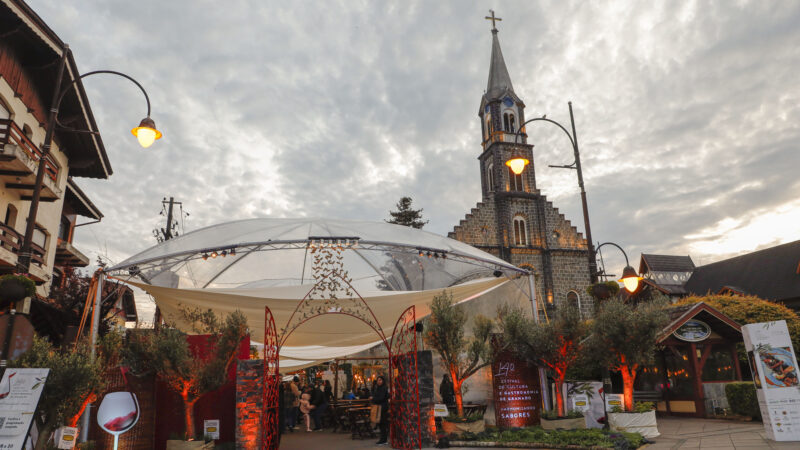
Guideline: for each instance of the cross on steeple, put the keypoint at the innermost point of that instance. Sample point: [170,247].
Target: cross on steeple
[493,19]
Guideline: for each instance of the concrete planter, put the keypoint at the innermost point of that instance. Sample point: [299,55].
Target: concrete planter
[189,445]
[643,423]
[461,427]
[566,424]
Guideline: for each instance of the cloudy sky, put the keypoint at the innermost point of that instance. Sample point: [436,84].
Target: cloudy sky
[688,113]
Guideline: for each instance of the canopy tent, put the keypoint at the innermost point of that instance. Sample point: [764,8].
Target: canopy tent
[250,264]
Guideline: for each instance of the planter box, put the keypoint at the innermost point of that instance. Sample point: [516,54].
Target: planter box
[643,423]
[189,445]
[566,424]
[461,427]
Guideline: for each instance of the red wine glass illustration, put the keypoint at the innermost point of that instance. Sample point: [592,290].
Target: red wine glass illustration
[118,413]
[5,387]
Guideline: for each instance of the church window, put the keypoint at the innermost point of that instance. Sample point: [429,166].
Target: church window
[515,183]
[508,122]
[574,300]
[488,127]
[490,177]
[520,231]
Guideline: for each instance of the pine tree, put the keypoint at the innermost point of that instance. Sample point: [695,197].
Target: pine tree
[406,216]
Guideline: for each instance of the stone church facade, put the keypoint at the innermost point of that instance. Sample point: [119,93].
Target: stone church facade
[514,220]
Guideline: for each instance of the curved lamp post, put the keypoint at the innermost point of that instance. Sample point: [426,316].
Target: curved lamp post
[630,279]
[517,165]
[146,133]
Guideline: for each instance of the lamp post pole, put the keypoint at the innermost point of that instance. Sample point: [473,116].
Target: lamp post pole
[146,132]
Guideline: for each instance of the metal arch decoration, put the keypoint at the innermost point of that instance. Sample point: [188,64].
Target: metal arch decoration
[270,439]
[405,429]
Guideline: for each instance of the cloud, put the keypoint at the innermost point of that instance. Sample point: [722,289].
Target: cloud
[688,114]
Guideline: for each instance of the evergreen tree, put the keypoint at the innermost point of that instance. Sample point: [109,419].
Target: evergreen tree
[406,216]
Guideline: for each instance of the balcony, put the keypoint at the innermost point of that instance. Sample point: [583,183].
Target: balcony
[67,255]
[10,243]
[19,161]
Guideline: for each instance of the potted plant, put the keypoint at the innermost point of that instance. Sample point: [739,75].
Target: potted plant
[603,289]
[14,288]
[473,423]
[461,357]
[572,420]
[641,419]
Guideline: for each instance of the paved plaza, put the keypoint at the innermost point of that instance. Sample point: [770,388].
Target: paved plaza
[676,433]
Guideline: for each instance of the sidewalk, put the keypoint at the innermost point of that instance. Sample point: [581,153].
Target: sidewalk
[685,433]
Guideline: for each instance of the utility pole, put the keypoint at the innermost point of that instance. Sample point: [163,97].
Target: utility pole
[167,233]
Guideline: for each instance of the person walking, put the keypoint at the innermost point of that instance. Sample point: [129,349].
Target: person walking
[380,397]
[291,407]
[446,391]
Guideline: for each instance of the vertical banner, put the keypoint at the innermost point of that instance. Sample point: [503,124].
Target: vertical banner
[517,394]
[775,374]
[20,390]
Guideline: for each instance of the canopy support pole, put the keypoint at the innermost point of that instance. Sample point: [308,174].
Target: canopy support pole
[542,374]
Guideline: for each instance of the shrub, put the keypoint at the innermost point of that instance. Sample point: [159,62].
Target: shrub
[553,415]
[742,399]
[584,438]
[638,408]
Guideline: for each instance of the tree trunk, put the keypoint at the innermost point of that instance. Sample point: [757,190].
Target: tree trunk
[628,377]
[457,391]
[559,380]
[44,435]
[188,413]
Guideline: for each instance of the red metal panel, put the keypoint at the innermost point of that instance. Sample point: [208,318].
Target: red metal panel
[270,438]
[405,431]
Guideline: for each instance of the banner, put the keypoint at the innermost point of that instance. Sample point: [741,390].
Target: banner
[20,390]
[517,395]
[775,374]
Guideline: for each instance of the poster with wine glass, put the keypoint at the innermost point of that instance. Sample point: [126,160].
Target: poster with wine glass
[20,390]
[118,413]
[775,374]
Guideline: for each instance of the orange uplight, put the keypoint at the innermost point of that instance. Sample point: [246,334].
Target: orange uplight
[517,165]
[146,132]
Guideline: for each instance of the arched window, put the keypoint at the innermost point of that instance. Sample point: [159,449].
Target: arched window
[511,124]
[520,231]
[488,127]
[574,299]
[515,183]
[490,177]
[508,122]
[10,220]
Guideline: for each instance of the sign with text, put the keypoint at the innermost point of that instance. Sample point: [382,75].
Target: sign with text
[211,429]
[440,410]
[66,437]
[580,402]
[775,374]
[517,395]
[20,390]
[613,400]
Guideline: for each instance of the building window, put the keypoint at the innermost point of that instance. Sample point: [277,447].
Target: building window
[520,231]
[26,130]
[488,127]
[515,183]
[490,177]
[509,122]
[5,111]
[574,300]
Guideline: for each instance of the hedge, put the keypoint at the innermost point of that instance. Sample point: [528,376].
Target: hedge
[742,399]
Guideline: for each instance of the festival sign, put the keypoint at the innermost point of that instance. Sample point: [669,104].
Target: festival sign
[20,390]
[211,428]
[580,402]
[66,437]
[775,374]
[693,331]
[614,400]
[517,395]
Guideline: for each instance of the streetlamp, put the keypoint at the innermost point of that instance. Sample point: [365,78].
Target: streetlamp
[630,279]
[146,133]
[517,165]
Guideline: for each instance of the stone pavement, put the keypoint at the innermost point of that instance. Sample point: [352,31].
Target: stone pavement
[684,433]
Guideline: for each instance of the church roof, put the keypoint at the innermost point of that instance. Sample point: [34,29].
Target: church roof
[665,263]
[499,80]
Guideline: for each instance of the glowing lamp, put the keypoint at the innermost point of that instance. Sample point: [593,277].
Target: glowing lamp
[630,279]
[146,132]
[517,165]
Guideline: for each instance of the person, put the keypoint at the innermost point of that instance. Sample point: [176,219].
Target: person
[380,396]
[349,395]
[318,406]
[363,393]
[291,407]
[446,391]
[305,408]
[328,392]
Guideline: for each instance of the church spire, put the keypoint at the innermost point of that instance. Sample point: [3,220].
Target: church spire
[499,80]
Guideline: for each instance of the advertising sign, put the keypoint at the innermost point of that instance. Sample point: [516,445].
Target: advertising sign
[211,429]
[775,374]
[580,402]
[693,331]
[613,400]
[118,413]
[66,437]
[517,395]
[20,390]
[440,410]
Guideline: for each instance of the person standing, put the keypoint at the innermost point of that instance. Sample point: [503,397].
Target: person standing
[380,397]
[446,391]
[328,392]
[291,407]
[319,406]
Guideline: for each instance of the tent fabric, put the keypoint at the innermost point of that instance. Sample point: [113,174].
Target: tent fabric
[321,338]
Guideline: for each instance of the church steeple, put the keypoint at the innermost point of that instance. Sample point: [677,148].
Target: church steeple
[499,80]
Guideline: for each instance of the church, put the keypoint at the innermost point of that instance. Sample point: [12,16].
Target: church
[514,220]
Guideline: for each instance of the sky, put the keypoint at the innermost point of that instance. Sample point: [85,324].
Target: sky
[687,113]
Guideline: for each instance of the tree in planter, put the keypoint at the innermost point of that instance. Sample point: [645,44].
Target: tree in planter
[406,216]
[73,381]
[556,345]
[623,338]
[461,357]
[167,353]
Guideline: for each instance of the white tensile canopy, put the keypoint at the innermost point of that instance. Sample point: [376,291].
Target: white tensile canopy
[249,264]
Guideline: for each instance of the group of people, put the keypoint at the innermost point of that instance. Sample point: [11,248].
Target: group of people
[307,403]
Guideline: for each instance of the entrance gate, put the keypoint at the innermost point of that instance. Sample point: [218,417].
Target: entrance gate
[331,281]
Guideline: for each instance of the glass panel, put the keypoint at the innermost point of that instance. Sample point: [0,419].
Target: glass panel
[679,377]
[719,365]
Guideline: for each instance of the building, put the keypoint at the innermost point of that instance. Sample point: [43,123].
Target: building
[29,59]
[514,220]
[666,273]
